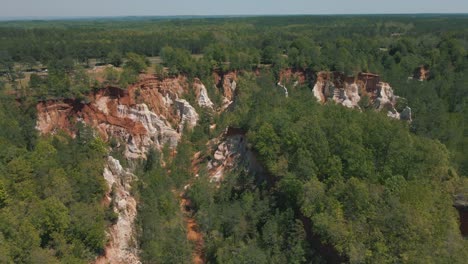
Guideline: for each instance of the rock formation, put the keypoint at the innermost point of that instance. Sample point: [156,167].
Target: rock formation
[152,113]
[228,84]
[188,115]
[148,114]
[291,78]
[406,114]
[202,95]
[123,246]
[348,91]
[286,94]
[158,130]
[231,149]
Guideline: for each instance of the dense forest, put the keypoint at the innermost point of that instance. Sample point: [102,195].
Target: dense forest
[50,192]
[339,185]
[361,182]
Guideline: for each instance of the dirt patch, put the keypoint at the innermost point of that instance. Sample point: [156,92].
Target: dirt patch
[194,234]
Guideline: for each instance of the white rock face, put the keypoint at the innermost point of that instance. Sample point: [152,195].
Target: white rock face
[286,94]
[386,99]
[158,131]
[385,95]
[352,93]
[122,247]
[227,153]
[101,104]
[233,86]
[187,114]
[203,99]
[168,101]
[317,90]
[348,94]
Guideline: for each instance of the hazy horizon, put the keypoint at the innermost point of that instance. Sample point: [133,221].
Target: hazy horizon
[54,9]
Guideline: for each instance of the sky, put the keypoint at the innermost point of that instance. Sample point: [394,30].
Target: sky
[91,8]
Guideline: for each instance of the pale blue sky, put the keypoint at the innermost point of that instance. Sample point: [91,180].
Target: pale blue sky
[72,8]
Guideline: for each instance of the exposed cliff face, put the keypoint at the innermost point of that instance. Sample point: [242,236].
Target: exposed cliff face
[226,156]
[151,113]
[348,91]
[230,150]
[148,114]
[157,130]
[186,112]
[122,247]
[228,83]
[202,95]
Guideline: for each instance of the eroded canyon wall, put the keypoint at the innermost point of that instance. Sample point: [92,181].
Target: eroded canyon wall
[349,91]
[148,114]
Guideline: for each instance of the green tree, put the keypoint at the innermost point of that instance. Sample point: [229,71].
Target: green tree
[136,63]
[115,58]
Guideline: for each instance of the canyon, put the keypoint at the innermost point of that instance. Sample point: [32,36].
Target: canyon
[148,114]
[153,113]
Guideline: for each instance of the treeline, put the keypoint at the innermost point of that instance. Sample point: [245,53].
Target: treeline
[82,40]
[336,43]
[51,189]
[67,80]
[342,185]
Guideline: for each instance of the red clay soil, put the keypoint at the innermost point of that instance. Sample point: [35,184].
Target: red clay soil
[287,75]
[62,114]
[224,80]
[193,232]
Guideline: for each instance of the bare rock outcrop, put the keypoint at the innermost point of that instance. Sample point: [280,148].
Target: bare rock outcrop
[230,150]
[148,114]
[158,131]
[318,90]
[227,82]
[122,246]
[348,91]
[203,99]
[406,114]
[187,114]
[286,93]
